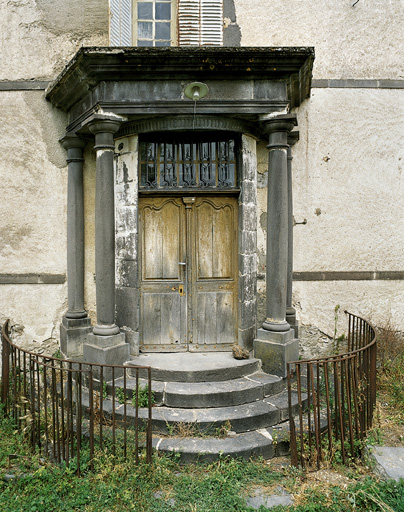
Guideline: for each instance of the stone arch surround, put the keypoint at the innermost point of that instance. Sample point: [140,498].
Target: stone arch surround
[126,211]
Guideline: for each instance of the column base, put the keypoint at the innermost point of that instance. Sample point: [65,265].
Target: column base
[109,350]
[275,349]
[73,334]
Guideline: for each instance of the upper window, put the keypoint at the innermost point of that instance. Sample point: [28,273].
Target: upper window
[166,22]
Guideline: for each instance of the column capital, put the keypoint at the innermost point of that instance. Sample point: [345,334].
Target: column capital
[282,123]
[104,123]
[72,141]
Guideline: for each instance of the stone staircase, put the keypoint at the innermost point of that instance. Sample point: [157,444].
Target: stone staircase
[210,405]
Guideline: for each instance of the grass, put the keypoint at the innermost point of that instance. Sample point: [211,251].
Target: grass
[223,486]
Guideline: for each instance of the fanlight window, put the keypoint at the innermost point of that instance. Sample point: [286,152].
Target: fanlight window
[187,163]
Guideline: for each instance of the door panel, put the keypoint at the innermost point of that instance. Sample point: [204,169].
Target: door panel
[214,251]
[201,233]
[161,241]
[162,308]
[214,283]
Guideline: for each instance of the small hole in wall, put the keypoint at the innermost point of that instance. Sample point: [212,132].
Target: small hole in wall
[120,147]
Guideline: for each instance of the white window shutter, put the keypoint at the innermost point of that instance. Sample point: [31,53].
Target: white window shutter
[200,22]
[212,22]
[120,31]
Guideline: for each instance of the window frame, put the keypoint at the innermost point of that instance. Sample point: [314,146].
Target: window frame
[173,23]
[193,23]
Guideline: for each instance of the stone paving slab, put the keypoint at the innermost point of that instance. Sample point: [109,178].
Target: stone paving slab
[261,498]
[389,461]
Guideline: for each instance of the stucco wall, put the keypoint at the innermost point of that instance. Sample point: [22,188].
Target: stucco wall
[347,165]
[361,41]
[37,37]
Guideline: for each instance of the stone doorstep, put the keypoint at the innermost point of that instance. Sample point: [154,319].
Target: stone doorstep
[191,367]
[209,394]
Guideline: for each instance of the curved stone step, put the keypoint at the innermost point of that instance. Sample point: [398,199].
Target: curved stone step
[209,394]
[193,367]
[258,443]
[240,418]
[202,421]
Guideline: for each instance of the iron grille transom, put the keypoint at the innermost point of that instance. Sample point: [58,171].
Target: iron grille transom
[187,162]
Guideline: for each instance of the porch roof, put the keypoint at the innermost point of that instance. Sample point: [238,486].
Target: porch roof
[93,65]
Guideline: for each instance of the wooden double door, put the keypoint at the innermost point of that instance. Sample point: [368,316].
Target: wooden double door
[188,267]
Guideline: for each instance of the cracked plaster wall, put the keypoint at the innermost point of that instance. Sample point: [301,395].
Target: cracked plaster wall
[361,41]
[37,39]
[348,163]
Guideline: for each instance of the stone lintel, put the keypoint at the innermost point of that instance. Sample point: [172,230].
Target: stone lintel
[275,349]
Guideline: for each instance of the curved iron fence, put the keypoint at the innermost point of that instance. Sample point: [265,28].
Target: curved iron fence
[336,399]
[68,408]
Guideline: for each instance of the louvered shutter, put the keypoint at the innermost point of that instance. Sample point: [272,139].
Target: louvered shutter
[120,32]
[200,22]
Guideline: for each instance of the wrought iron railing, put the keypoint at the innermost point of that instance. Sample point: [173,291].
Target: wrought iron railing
[69,409]
[336,396]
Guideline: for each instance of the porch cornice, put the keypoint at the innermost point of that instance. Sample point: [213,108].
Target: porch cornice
[93,65]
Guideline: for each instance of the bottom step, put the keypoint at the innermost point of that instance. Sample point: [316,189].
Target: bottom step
[265,443]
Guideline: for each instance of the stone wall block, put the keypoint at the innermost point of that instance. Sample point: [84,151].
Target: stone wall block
[249,158]
[126,219]
[249,241]
[130,194]
[129,270]
[248,218]
[249,192]
[127,310]
[262,181]
[246,337]
[247,313]
[247,264]
[249,222]
[247,287]
[126,246]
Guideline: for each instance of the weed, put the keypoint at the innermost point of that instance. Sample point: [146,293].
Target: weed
[57,354]
[143,396]
[104,390]
[120,395]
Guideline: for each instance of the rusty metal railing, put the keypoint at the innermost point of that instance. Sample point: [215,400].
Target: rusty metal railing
[336,399]
[69,409]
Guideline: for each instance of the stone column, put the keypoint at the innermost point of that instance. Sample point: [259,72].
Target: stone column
[107,344]
[275,343]
[75,324]
[290,310]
